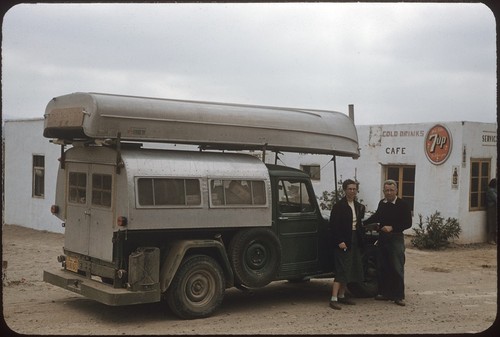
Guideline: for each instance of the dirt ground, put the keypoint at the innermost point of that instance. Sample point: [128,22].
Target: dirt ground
[449,291]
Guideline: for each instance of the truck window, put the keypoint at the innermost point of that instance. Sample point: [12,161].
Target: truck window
[168,192]
[237,192]
[101,190]
[293,197]
[77,188]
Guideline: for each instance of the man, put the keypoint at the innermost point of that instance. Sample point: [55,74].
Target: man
[491,211]
[394,216]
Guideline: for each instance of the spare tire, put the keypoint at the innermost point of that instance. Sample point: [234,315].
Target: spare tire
[255,255]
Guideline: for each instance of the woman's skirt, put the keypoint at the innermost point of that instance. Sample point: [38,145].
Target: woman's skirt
[348,264]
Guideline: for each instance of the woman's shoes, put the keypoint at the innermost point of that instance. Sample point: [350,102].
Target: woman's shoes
[335,305]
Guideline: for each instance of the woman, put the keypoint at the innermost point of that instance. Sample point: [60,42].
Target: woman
[345,221]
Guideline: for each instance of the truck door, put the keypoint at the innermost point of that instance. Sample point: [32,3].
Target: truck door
[297,225]
[89,222]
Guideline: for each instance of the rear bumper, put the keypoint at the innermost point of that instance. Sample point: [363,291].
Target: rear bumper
[99,291]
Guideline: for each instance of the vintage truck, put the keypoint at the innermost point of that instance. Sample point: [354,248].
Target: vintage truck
[145,224]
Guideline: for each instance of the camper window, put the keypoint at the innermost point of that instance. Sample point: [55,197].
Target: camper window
[237,192]
[77,188]
[101,190]
[168,192]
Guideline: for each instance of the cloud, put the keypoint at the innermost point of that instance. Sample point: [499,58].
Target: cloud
[397,63]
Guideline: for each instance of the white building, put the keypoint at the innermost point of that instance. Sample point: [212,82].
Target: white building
[30,170]
[441,167]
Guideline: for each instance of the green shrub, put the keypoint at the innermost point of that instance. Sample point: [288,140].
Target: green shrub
[435,233]
[327,199]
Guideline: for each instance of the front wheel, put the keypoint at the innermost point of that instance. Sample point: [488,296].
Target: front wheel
[197,288]
[255,256]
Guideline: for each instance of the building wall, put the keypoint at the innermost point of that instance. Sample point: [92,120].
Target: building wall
[23,139]
[404,144]
[401,144]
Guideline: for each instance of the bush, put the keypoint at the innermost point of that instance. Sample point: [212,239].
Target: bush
[435,233]
[327,199]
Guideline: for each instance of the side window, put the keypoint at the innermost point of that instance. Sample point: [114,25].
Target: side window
[237,192]
[101,190]
[168,192]
[77,188]
[38,181]
[294,197]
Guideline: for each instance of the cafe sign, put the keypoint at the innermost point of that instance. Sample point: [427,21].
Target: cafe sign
[438,144]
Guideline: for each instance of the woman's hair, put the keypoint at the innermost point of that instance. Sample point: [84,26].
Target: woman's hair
[349,182]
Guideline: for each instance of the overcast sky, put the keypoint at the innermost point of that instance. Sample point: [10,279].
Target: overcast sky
[397,63]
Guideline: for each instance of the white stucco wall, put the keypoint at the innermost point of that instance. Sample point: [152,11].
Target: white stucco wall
[23,139]
[404,144]
[479,142]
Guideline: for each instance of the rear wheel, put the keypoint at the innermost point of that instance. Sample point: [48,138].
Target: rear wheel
[197,288]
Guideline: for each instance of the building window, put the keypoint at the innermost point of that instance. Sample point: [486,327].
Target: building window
[479,177]
[405,177]
[314,171]
[38,176]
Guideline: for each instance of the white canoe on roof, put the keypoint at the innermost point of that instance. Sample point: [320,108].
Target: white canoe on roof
[208,124]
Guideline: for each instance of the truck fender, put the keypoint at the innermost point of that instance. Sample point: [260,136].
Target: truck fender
[178,250]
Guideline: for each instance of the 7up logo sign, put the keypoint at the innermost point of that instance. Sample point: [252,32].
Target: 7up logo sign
[438,144]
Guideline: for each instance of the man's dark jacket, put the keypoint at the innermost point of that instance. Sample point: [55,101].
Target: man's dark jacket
[397,215]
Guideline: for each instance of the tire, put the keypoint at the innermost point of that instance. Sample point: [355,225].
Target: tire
[369,287]
[197,288]
[255,256]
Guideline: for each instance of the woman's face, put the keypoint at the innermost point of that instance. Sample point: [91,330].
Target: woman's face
[351,191]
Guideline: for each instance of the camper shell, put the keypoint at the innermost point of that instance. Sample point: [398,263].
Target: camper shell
[142,224]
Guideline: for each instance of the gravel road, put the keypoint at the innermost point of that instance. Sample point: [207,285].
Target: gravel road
[449,291]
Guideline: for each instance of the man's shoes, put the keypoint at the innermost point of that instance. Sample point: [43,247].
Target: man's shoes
[381,298]
[335,305]
[400,302]
[345,300]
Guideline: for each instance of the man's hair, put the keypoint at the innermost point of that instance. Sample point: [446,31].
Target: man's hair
[391,182]
[349,182]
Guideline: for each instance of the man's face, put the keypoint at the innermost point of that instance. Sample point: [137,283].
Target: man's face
[390,192]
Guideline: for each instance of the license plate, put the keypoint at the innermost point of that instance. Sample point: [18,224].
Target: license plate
[72,263]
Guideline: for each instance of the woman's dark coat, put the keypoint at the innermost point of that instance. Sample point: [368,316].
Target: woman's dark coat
[341,222]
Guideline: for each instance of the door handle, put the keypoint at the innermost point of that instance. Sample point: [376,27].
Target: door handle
[283,218]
